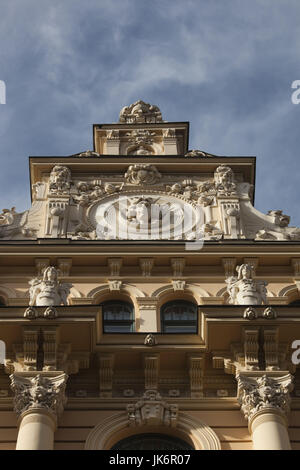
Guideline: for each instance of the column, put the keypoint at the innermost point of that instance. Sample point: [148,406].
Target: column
[265,403]
[38,400]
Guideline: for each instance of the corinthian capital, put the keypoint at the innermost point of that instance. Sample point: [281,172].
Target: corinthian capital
[39,392]
[264,393]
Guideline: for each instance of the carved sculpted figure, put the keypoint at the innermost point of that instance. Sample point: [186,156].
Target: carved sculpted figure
[140,112]
[142,174]
[48,291]
[60,179]
[224,179]
[7,216]
[139,211]
[279,218]
[243,290]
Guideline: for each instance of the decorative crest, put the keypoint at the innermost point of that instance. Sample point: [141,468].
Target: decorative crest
[140,112]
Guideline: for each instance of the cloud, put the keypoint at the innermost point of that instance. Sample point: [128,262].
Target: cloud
[227,67]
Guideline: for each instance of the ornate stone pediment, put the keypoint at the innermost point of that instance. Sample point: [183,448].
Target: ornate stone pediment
[64,205]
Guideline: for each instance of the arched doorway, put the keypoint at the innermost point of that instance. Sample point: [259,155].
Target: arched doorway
[114,429]
[152,441]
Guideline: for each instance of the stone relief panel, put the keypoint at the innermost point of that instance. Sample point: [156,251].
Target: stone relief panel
[65,205]
[152,410]
[137,216]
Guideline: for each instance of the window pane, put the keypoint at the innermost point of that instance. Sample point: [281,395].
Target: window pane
[118,317]
[179,317]
[180,329]
[111,328]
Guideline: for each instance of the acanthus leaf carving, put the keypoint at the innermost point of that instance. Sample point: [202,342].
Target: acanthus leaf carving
[263,393]
[42,392]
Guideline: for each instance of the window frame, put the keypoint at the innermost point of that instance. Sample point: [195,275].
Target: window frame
[165,323]
[110,322]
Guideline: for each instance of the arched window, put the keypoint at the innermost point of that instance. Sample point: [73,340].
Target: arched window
[152,442]
[179,316]
[118,317]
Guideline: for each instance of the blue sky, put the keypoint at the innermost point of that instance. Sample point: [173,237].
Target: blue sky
[225,66]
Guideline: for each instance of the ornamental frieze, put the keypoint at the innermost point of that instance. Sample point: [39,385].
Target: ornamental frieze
[68,209]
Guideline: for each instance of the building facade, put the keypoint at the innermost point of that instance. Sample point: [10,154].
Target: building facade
[145,302]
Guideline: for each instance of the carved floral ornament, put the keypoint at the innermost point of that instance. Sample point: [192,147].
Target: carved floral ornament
[264,393]
[140,112]
[152,410]
[42,392]
[88,154]
[141,141]
[142,174]
[150,340]
[198,153]
[32,313]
